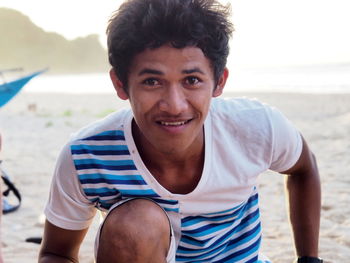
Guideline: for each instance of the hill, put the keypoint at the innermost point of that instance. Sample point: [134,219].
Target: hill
[23,44]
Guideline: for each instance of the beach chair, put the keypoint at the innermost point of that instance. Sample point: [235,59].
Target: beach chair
[7,206]
[10,193]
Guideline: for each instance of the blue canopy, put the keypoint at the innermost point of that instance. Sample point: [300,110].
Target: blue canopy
[9,89]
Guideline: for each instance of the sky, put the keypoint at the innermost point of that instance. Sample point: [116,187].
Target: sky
[268,32]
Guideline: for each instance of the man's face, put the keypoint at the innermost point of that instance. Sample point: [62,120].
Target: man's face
[170,91]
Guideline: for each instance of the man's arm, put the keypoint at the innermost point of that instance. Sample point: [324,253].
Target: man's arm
[60,245]
[304,193]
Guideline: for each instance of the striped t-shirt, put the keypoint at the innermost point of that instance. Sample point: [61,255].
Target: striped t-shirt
[219,220]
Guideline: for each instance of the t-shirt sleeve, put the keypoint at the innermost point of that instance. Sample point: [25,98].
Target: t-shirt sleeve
[67,206]
[286,142]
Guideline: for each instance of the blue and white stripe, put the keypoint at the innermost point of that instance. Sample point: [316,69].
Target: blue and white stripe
[106,171]
[230,236]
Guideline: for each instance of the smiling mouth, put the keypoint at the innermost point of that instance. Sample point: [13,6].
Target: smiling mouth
[173,123]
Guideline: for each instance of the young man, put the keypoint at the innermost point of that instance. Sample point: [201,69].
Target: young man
[176,174]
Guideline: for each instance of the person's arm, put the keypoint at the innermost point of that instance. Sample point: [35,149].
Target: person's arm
[1,260]
[304,193]
[60,245]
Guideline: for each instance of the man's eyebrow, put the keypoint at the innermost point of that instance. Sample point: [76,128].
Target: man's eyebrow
[158,72]
[191,71]
[150,71]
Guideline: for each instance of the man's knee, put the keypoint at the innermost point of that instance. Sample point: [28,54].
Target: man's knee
[139,215]
[137,227]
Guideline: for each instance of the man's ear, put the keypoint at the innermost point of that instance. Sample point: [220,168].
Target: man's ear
[221,83]
[118,85]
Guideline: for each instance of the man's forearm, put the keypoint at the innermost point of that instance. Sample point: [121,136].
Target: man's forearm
[304,206]
[60,245]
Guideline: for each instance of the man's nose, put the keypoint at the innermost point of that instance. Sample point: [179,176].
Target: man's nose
[174,100]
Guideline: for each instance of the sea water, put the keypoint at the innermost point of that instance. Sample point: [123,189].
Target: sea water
[305,79]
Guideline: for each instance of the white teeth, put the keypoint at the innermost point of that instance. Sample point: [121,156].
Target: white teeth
[173,123]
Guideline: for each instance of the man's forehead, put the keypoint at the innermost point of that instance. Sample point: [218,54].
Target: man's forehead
[186,60]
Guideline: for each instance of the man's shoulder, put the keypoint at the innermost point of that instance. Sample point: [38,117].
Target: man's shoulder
[114,122]
[241,115]
[237,105]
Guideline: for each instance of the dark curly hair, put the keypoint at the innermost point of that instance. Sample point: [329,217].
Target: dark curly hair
[141,24]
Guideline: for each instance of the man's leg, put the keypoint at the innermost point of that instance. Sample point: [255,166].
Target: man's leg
[136,231]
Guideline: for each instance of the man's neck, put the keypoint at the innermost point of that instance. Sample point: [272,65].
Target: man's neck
[177,171]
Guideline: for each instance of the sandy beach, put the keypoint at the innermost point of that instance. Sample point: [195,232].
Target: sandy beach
[36,125]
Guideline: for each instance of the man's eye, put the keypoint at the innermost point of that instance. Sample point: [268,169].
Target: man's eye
[151,82]
[192,80]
